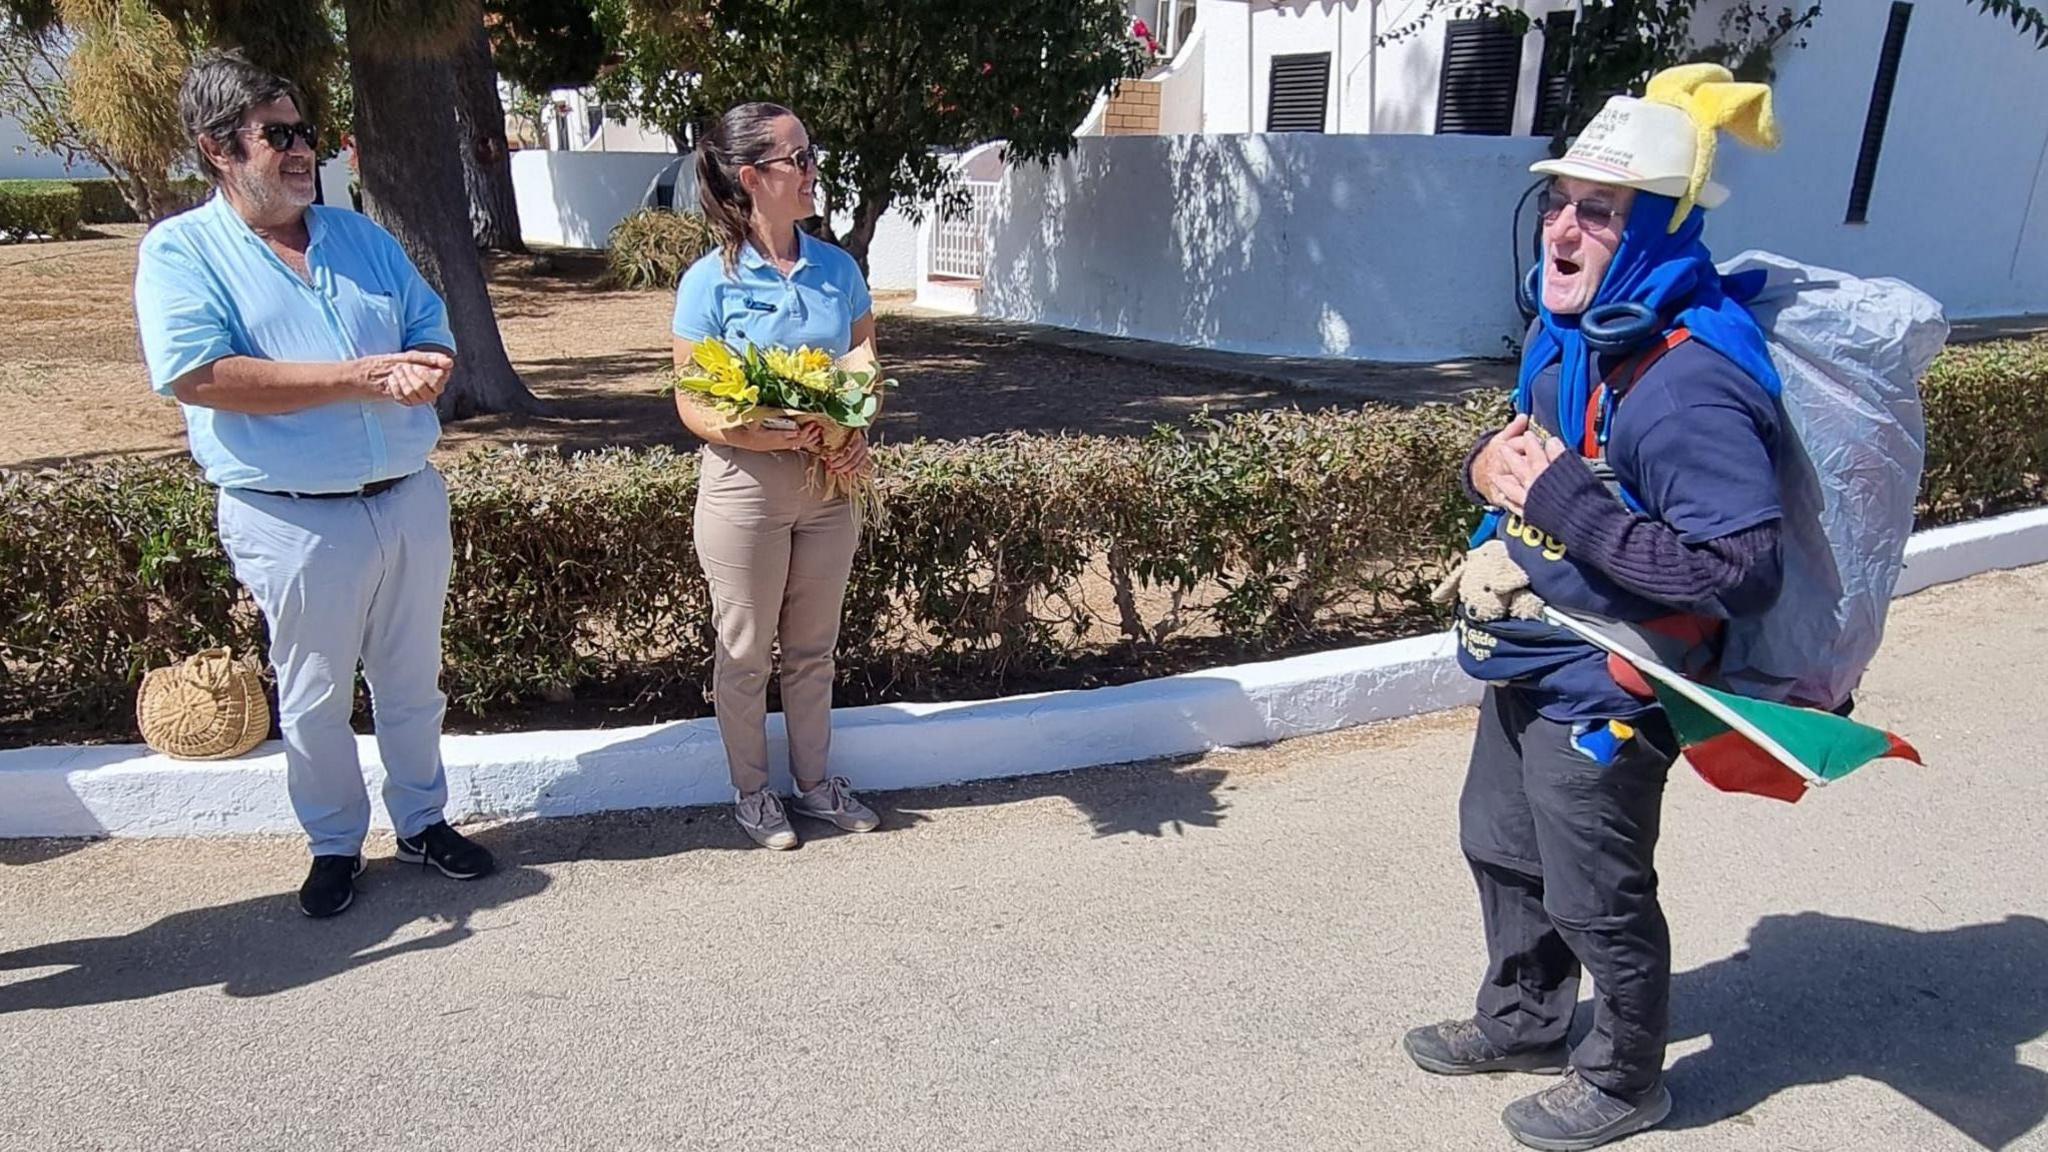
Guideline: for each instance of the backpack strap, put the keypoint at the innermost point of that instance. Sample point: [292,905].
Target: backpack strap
[1607,395]
[1689,645]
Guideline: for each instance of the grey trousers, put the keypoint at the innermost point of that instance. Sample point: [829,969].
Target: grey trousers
[1563,849]
[341,583]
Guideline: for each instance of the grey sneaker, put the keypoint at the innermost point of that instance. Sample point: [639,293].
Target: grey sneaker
[1459,1048]
[760,815]
[833,800]
[1575,1115]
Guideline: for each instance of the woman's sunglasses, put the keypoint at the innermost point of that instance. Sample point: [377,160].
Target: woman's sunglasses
[803,160]
[280,136]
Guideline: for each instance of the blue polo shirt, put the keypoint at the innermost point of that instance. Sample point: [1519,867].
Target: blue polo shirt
[207,288]
[814,306]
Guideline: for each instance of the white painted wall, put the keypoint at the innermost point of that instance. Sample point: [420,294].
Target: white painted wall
[1960,203]
[632,136]
[611,136]
[892,254]
[1393,90]
[576,198]
[1182,88]
[335,176]
[1380,247]
[1395,246]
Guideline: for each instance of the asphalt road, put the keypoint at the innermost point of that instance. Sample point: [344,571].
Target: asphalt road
[1217,954]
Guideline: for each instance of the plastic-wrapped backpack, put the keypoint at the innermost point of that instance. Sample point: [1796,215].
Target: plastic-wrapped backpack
[1851,353]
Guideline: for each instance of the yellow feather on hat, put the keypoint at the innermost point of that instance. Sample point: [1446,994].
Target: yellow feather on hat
[1714,99]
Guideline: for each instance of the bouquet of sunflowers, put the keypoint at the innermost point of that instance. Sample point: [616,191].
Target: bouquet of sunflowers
[804,385]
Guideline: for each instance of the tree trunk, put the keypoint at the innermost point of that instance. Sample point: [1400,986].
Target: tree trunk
[411,174]
[867,214]
[486,156]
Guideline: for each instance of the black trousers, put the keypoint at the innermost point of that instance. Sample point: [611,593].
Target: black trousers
[1563,848]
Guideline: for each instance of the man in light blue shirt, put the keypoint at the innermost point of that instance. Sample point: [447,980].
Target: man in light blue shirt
[306,353]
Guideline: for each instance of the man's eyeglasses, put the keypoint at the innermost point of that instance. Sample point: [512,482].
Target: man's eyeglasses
[280,136]
[803,160]
[1594,215]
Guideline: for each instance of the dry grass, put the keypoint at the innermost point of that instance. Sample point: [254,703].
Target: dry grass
[72,385]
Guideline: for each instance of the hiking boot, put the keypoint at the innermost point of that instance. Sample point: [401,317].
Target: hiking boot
[330,886]
[454,854]
[1574,1115]
[833,800]
[760,816]
[1459,1048]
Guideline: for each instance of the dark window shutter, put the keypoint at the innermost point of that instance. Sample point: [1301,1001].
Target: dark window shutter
[1298,93]
[1880,112]
[1551,76]
[1482,69]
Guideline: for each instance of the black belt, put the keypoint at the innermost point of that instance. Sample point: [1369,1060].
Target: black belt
[365,492]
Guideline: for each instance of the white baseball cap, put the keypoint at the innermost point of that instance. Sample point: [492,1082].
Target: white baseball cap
[1641,144]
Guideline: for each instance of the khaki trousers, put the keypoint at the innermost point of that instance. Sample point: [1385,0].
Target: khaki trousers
[777,558]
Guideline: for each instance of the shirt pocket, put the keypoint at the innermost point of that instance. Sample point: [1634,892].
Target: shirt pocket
[374,321]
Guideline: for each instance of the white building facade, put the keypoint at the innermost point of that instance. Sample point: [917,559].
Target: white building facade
[1307,191]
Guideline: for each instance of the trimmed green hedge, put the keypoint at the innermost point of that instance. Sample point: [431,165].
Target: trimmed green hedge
[46,209]
[99,199]
[100,202]
[1009,563]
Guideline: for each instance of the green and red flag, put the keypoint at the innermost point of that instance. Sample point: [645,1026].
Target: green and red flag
[1739,744]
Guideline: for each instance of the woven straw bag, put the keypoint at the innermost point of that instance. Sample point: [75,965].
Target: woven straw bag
[207,707]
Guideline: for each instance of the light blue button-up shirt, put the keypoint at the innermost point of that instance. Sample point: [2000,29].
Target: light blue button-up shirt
[815,306]
[208,288]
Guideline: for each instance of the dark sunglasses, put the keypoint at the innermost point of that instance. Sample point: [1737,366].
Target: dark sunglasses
[803,160]
[1596,215]
[279,136]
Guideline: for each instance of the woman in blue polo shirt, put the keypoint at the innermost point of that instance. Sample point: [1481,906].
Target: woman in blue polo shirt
[776,554]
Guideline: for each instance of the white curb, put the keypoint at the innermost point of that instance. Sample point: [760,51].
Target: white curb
[126,790]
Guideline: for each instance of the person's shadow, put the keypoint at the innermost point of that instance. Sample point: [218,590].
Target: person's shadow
[1937,1016]
[264,945]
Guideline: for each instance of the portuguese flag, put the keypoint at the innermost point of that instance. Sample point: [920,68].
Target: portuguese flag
[1738,744]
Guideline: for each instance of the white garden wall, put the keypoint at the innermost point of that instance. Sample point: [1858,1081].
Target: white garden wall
[1391,246]
[1377,247]
[574,199]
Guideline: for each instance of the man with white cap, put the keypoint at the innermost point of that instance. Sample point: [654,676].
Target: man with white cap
[1636,483]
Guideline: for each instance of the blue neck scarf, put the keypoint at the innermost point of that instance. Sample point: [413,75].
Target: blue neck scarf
[1670,272]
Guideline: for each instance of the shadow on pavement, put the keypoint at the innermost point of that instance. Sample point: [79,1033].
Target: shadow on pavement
[1153,799]
[1938,1016]
[1147,800]
[263,946]
[20,853]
